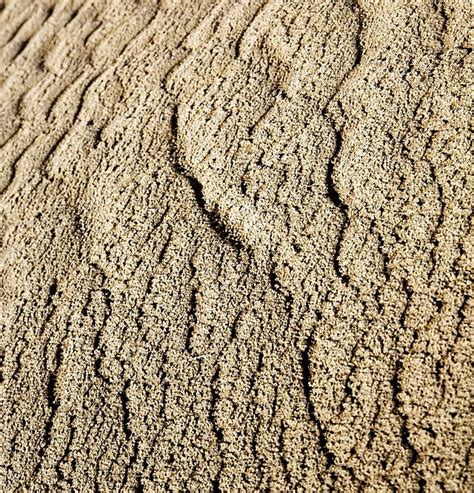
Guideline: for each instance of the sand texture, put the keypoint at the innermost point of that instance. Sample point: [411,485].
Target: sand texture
[236,245]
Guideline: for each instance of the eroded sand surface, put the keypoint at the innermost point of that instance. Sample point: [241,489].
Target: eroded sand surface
[236,245]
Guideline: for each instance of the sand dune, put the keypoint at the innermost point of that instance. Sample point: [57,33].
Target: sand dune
[236,245]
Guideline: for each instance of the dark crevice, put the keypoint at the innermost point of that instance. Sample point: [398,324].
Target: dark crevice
[22,46]
[283,459]
[439,223]
[50,392]
[337,201]
[53,288]
[99,352]
[73,15]
[385,257]
[49,12]
[125,411]
[108,303]
[82,99]
[396,384]
[192,319]
[404,429]
[212,413]
[14,167]
[212,216]
[332,191]
[54,148]
[234,325]
[216,485]
[422,485]
[53,403]
[358,39]
[461,315]
[97,138]
[132,461]
[16,31]
[306,376]
[164,249]
[256,454]
[409,293]
[216,428]
[441,10]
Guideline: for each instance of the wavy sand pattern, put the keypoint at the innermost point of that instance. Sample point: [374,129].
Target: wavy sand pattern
[236,245]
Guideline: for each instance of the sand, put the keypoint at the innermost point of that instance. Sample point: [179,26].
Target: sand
[236,245]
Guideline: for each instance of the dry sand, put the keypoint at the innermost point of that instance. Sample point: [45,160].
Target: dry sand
[236,245]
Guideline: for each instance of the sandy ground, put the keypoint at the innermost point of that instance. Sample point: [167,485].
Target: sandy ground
[236,249]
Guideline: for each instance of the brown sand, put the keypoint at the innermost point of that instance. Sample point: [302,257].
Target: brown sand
[236,245]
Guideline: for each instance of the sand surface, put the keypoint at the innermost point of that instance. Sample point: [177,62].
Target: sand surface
[236,245]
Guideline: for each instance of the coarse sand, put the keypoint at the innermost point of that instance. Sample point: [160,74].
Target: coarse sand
[236,245]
